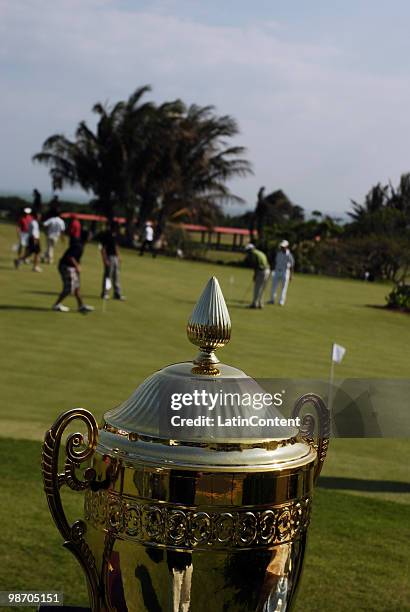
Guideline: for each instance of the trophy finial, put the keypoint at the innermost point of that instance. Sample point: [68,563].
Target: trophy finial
[209,327]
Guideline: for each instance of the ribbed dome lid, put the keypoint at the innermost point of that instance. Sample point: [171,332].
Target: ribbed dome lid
[216,392]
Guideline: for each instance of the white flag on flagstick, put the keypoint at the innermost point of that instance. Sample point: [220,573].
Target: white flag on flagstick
[338,352]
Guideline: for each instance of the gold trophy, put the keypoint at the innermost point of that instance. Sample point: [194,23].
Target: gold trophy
[200,522]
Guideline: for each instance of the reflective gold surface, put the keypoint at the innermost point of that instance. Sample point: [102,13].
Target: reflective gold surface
[141,578]
[186,540]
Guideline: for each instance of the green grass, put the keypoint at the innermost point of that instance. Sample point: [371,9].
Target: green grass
[215,256]
[50,362]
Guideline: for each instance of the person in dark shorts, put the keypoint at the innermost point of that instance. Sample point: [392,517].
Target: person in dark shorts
[111,261]
[69,268]
[148,241]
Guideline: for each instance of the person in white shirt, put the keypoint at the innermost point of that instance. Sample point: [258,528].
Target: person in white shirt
[282,273]
[55,226]
[33,247]
[34,241]
[148,239]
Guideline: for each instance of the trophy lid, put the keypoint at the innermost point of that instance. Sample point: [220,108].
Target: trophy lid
[183,391]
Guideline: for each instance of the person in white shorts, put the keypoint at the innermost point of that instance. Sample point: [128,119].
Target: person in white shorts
[55,226]
[22,232]
[34,246]
[69,268]
[282,274]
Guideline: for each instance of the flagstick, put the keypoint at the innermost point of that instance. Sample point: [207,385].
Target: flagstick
[331,380]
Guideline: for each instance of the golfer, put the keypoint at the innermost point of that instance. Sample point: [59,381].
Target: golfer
[23,225]
[148,242]
[69,268]
[282,274]
[261,275]
[33,243]
[111,260]
[55,226]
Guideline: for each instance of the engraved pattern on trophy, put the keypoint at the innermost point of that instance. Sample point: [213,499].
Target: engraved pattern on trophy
[164,524]
[321,443]
[77,452]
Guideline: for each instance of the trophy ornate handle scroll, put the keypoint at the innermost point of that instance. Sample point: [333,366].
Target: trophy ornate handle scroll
[321,444]
[73,535]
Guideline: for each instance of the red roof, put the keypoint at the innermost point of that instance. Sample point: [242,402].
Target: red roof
[215,230]
[189,227]
[89,217]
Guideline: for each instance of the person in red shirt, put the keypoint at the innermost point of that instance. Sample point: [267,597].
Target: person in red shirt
[74,230]
[23,225]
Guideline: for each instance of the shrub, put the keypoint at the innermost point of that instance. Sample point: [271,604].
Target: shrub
[176,239]
[399,298]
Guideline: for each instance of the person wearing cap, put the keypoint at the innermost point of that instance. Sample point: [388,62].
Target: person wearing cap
[261,275]
[55,226]
[284,264]
[23,225]
[33,247]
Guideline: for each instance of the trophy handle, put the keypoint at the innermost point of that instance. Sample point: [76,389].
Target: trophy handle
[73,535]
[321,443]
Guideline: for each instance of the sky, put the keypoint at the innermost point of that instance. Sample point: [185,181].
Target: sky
[320,90]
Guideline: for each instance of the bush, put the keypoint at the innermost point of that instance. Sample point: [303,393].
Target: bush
[399,298]
[176,239]
[381,257]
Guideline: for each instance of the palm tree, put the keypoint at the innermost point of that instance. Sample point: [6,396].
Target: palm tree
[100,161]
[400,197]
[196,163]
[375,200]
[157,159]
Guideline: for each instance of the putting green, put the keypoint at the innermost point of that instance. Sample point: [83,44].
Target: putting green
[50,362]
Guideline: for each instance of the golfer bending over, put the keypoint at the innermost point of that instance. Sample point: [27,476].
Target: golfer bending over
[69,268]
[261,275]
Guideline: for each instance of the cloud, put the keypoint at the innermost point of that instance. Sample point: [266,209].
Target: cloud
[315,127]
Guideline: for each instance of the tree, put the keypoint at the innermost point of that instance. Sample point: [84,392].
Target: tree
[160,160]
[103,162]
[375,201]
[274,209]
[386,211]
[198,163]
